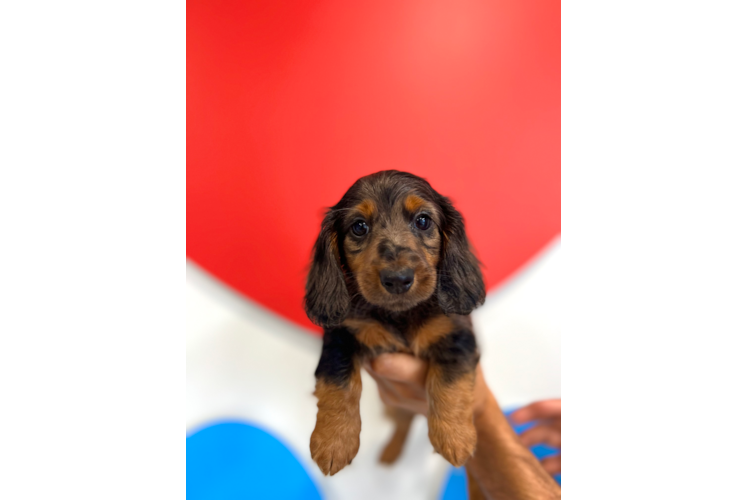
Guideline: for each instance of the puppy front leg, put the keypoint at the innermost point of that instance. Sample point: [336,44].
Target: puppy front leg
[449,387]
[335,439]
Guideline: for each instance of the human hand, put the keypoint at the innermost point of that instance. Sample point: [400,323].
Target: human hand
[401,380]
[502,467]
[547,431]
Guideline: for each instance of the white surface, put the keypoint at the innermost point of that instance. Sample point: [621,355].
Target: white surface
[519,332]
[244,362]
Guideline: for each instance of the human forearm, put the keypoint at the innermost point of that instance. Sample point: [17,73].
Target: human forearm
[501,465]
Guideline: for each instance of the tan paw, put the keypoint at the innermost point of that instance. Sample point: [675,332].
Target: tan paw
[334,447]
[456,443]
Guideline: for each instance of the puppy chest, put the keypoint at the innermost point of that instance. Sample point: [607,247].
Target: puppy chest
[377,338]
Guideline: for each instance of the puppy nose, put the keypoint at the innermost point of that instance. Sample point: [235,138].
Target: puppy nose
[396,281]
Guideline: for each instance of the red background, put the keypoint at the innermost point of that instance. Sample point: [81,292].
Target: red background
[289,102]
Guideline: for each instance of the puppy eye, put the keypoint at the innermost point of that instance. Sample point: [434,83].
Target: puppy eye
[359,228]
[423,222]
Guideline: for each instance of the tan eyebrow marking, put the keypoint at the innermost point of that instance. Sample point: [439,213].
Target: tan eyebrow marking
[413,203]
[367,207]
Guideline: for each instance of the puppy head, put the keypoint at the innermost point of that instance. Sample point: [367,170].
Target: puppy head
[396,241]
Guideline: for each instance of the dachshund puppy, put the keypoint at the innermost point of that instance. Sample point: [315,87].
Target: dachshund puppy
[392,271]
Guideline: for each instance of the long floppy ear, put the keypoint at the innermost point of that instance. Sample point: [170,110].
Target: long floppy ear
[460,287]
[326,301]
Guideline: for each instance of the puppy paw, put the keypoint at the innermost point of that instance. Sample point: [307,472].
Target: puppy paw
[456,443]
[334,446]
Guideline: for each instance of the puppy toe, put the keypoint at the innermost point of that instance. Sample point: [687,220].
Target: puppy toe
[332,453]
[456,443]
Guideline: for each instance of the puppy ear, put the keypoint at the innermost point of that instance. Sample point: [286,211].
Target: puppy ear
[460,288]
[326,301]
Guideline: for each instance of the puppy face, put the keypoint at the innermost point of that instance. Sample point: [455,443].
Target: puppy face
[395,241]
[392,245]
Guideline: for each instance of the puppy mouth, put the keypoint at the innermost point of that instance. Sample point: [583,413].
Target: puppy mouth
[400,301]
[420,289]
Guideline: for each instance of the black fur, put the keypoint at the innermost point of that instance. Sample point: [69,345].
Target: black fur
[456,354]
[460,288]
[339,348]
[327,300]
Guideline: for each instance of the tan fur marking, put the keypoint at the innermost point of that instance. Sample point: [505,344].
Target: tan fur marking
[355,261]
[335,439]
[450,416]
[334,242]
[432,331]
[367,208]
[394,448]
[413,203]
[363,262]
[372,334]
[432,258]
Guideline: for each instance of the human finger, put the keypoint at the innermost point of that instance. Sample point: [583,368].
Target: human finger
[541,434]
[552,464]
[549,408]
[400,367]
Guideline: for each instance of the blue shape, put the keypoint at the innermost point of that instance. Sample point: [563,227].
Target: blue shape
[456,487]
[233,460]
[541,451]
